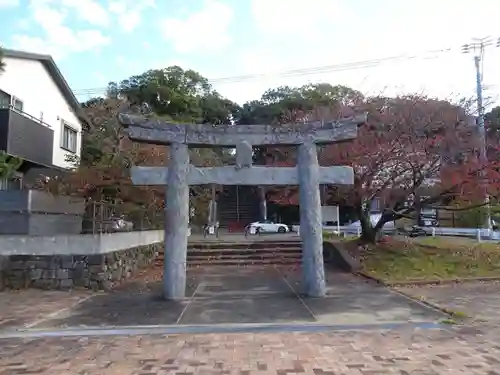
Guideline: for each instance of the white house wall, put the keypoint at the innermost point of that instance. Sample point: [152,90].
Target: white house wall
[29,81]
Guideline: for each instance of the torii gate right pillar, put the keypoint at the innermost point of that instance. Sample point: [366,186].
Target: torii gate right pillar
[313,272]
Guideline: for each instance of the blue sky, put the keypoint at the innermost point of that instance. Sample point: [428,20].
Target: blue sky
[97,41]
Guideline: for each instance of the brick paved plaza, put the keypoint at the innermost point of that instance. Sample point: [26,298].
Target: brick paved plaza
[368,353]
[347,333]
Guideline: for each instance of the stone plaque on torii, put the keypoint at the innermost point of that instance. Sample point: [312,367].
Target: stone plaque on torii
[180,174]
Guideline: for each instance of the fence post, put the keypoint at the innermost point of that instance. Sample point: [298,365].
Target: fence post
[433,232]
[478,235]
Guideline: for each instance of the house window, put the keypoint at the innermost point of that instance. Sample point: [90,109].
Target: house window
[69,136]
[17,104]
[4,99]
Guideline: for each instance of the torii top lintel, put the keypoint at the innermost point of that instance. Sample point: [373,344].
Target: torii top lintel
[146,130]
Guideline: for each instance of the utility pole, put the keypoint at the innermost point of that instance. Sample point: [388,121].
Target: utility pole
[478,47]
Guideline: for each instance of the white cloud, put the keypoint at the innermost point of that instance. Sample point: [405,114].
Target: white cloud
[297,17]
[9,3]
[58,39]
[88,10]
[330,32]
[129,13]
[202,31]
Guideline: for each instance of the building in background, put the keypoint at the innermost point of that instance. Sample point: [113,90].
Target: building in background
[40,118]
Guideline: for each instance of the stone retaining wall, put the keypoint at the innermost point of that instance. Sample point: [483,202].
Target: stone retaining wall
[97,271]
[99,263]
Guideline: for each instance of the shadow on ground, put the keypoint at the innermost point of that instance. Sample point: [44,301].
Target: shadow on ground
[227,295]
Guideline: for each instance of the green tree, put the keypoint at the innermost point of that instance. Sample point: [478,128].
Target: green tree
[2,62]
[289,104]
[492,123]
[8,165]
[177,94]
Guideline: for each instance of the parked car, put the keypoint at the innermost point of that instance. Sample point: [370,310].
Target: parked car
[266,226]
[119,224]
[374,218]
[428,218]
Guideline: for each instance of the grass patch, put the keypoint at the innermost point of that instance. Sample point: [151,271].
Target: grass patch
[332,236]
[459,315]
[448,322]
[429,259]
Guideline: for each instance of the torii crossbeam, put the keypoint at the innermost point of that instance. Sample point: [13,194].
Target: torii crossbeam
[180,174]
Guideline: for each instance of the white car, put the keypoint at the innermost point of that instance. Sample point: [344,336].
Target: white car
[266,226]
[374,218]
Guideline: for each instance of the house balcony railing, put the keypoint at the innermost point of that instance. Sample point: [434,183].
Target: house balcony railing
[25,114]
[26,137]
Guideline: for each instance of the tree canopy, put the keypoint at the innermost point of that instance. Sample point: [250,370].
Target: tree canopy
[412,146]
[2,62]
[8,165]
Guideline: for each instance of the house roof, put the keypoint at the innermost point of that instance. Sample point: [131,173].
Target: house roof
[56,75]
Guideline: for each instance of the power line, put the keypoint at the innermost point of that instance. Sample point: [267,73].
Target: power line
[478,47]
[300,72]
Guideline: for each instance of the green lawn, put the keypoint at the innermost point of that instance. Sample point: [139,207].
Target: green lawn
[430,259]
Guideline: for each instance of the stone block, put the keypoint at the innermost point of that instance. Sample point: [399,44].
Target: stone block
[95,285]
[38,262]
[47,284]
[49,274]
[36,274]
[18,265]
[95,270]
[66,283]
[67,261]
[95,259]
[17,279]
[17,258]
[54,262]
[80,258]
[80,271]
[117,274]
[62,274]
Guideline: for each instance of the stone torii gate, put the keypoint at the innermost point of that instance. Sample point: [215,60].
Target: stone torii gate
[180,174]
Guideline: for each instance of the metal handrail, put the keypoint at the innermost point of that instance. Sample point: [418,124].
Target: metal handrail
[22,113]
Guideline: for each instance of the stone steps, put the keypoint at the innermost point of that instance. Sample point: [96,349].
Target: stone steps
[263,253]
[243,262]
[261,245]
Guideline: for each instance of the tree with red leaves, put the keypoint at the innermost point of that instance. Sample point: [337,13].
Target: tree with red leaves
[101,172]
[411,147]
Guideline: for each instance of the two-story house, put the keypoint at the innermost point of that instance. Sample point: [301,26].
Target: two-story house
[40,118]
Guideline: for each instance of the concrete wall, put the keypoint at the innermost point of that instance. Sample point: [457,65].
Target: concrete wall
[67,261]
[77,244]
[30,82]
[38,213]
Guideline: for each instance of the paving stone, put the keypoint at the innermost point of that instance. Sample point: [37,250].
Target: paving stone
[405,351]
[479,300]
[19,308]
[348,353]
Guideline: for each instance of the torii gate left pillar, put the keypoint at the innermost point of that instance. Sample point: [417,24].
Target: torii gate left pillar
[180,174]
